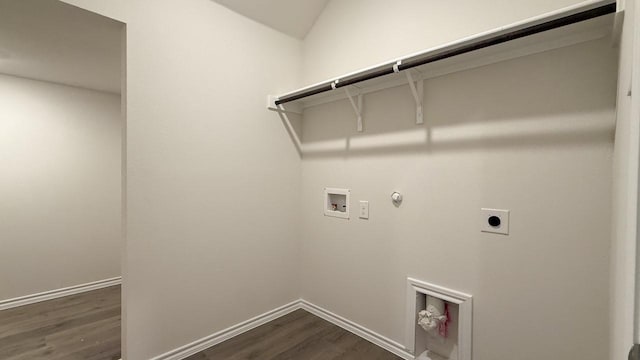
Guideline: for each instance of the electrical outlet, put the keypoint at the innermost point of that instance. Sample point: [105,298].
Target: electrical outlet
[364,210]
[494,221]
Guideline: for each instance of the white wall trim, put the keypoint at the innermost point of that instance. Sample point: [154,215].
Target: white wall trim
[235,330]
[367,334]
[226,334]
[58,293]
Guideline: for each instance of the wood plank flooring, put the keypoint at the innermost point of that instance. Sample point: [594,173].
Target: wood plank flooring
[78,327]
[87,327]
[296,336]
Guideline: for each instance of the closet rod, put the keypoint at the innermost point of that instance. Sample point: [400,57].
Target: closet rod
[445,53]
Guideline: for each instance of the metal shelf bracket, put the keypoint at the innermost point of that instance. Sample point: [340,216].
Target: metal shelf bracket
[356,107]
[417,89]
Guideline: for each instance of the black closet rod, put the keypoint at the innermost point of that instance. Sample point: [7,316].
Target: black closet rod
[447,53]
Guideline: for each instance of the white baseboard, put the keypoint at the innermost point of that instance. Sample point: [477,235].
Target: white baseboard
[226,334]
[58,293]
[363,332]
[235,330]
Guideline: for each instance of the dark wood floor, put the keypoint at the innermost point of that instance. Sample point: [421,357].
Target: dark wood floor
[87,327]
[300,336]
[77,327]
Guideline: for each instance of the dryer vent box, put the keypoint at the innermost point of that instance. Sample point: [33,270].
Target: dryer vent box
[457,343]
[336,202]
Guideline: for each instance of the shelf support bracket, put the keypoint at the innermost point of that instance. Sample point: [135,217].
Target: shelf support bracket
[356,107]
[417,89]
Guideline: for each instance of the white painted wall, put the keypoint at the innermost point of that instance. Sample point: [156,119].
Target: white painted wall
[625,194]
[354,34]
[199,261]
[59,185]
[212,177]
[533,135]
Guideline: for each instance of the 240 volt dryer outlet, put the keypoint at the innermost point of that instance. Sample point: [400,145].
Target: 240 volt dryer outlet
[494,221]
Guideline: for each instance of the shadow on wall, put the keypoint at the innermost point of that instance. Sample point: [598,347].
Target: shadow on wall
[511,104]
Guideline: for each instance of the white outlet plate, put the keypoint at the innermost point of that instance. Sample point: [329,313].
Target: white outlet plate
[364,210]
[503,215]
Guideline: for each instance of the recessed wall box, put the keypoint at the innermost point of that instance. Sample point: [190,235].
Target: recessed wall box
[456,345]
[336,202]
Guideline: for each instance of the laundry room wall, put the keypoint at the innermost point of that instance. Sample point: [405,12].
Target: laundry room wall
[533,135]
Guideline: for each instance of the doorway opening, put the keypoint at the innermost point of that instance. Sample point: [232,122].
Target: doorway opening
[62,126]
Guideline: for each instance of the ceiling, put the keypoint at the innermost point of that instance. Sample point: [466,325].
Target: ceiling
[52,41]
[293,17]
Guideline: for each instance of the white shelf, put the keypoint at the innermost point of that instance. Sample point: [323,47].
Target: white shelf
[583,31]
